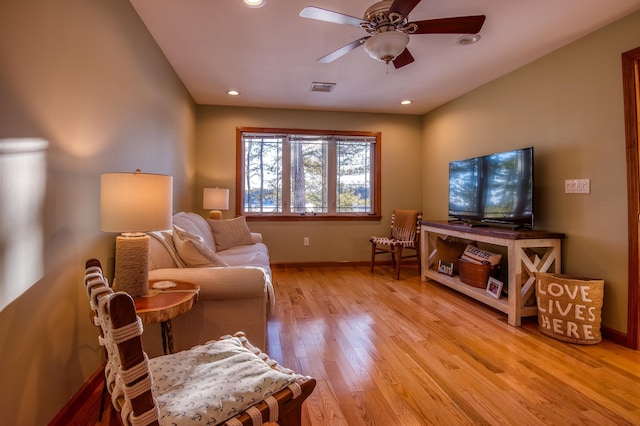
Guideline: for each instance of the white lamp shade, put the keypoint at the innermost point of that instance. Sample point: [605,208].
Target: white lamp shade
[386,46]
[215,198]
[135,202]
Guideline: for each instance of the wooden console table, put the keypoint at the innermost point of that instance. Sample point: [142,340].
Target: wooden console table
[163,304]
[527,252]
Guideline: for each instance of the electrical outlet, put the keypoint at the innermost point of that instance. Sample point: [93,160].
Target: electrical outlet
[305,241]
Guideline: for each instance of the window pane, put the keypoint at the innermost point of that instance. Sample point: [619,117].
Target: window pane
[320,175]
[309,176]
[263,174]
[353,189]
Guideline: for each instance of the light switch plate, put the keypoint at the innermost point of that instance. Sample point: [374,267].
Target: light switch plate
[577,186]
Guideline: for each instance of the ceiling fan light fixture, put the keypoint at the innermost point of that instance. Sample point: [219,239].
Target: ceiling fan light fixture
[386,46]
[255,3]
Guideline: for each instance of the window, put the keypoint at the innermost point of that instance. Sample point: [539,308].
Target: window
[306,174]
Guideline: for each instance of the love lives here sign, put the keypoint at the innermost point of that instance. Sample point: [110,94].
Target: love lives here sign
[569,309]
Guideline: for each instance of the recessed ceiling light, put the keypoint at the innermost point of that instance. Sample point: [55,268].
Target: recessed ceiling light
[255,3]
[406,102]
[233,92]
[468,39]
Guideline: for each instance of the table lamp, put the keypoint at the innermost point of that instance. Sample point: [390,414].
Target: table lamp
[216,199]
[133,203]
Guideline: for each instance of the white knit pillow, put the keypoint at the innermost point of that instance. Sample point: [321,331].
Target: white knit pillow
[192,250]
[230,233]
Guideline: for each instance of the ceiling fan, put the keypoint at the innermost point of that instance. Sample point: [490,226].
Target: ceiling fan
[388,25]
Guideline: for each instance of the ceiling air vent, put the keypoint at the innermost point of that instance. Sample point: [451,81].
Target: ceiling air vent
[322,87]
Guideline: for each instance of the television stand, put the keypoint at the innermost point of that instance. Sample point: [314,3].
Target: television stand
[528,252]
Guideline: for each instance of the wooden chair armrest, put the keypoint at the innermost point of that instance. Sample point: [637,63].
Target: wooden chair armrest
[289,408]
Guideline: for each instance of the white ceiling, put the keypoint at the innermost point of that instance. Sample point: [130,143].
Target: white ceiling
[269,54]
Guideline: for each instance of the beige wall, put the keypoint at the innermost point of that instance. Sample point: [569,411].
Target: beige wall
[569,107]
[329,241]
[87,77]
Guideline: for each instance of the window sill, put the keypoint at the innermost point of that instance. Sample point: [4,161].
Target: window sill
[310,217]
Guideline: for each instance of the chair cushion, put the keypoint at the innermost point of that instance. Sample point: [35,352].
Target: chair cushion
[192,250]
[230,233]
[232,376]
[253,255]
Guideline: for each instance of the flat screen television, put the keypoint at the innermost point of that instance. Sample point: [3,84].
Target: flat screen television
[494,188]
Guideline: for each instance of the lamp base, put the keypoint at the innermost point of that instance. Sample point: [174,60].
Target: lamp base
[132,264]
[215,214]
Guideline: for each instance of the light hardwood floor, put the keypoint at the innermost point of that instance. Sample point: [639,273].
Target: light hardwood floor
[396,353]
[387,352]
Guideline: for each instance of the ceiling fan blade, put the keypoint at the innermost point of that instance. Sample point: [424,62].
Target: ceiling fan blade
[342,51]
[320,14]
[459,25]
[403,7]
[405,58]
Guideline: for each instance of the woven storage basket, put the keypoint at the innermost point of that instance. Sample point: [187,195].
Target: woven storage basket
[570,308]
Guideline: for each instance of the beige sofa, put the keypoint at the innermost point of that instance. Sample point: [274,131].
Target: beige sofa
[231,266]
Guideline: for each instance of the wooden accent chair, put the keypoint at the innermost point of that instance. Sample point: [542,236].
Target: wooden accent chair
[226,381]
[405,234]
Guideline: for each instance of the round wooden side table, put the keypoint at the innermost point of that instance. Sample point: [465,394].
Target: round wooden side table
[165,301]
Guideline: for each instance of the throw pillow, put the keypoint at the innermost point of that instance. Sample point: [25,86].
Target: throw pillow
[192,250]
[230,233]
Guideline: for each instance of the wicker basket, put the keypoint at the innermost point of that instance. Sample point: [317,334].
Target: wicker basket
[569,309]
[474,274]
